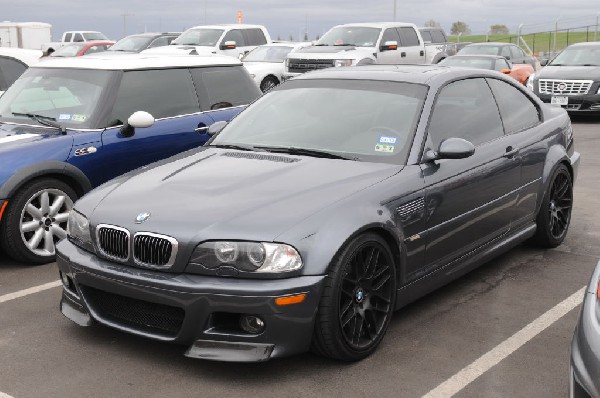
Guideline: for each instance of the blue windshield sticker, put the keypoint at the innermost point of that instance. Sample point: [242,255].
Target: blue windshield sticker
[64,116]
[387,140]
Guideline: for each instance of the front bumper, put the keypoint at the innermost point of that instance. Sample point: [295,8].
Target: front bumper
[585,351]
[578,104]
[199,311]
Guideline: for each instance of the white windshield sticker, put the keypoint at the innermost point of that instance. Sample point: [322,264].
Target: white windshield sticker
[17,138]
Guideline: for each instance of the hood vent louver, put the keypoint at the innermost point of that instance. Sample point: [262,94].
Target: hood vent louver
[260,156]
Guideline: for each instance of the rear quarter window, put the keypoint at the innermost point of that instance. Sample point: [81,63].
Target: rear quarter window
[224,87]
[517,111]
[255,37]
[409,37]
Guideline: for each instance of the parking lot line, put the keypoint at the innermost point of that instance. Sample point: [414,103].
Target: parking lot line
[27,292]
[484,363]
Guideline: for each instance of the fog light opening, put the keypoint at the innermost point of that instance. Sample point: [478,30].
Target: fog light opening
[252,324]
[65,279]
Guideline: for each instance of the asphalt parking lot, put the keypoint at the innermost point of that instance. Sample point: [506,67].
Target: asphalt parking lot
[428,343]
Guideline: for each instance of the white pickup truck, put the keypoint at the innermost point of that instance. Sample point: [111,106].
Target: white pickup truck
[73,37]
[361,44]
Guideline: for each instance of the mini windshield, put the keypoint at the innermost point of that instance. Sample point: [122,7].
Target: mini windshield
[362,120]
[71,97]
[92,36]
[68,51]
[578,56]
[350,36]
[470,62]
[199,37]
[483,50]
[131,43]
[268,54]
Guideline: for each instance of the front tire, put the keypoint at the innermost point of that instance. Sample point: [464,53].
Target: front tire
[358,300]
[36,219]
[268,83]
[554,216]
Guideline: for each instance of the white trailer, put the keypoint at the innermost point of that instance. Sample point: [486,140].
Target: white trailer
[29,35]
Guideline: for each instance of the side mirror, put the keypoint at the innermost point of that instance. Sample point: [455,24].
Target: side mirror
[229,45]
[455,148]
[507,57]
[216,128]
[544,61]
[139,119]
[389,45]
[505,71]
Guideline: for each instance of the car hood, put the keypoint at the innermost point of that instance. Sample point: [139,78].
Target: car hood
[570,72]
[262,67]
[330,52]
[180,49]
[16,135]
[224,194]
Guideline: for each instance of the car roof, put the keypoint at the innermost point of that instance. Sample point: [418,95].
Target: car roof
[139,61]
[591,44]
[419,74]
[153,34]
[23,55]
[489,43]
[477,56]
[224,26]
[381,25]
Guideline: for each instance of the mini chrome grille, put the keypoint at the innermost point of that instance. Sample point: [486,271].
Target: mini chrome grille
[564,87]
[113,242]
[154,250]
[305,65]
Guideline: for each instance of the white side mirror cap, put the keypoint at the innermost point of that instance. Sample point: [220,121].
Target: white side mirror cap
[140,119]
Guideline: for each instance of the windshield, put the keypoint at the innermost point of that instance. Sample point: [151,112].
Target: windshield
[268,54]
[582,56]
[199,37]
[470,62]
[350,36]
[94,36]
[484,50]
[131,43]
[69,96]
[68,51]
[364,120]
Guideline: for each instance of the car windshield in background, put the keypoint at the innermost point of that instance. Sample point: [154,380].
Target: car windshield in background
[582,56]
[67,96]
[479,63]
[199,37]
[68,51]
[350,36]
[485,50]
[131,43]
[364,120]
[94,36]
[268,54]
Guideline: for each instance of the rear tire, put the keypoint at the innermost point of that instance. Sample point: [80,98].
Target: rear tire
[554,216]
[35,220]
[268,84]
[358,300]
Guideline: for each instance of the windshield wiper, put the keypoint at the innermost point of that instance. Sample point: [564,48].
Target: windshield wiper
[321,44]
[304,151]
[234,146]
[345,45]
[44,120]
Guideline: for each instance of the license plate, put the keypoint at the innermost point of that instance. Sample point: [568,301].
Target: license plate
[559,101]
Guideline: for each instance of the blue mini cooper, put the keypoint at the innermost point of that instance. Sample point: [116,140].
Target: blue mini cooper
[67,126]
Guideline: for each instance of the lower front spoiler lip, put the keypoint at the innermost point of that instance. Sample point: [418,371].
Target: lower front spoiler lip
[230,351]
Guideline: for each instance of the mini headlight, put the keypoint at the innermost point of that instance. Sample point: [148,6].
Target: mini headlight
[261,257]
[342,62]
[78,230]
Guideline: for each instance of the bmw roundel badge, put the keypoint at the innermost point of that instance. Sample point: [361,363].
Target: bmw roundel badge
[141,218]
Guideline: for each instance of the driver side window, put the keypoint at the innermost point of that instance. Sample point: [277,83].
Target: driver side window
[465,109]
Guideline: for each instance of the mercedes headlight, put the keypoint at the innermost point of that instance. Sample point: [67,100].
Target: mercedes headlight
[530,81]
[263,257]
[78,230]
[342,62]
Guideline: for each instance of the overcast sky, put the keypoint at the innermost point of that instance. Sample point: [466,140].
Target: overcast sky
[284,17]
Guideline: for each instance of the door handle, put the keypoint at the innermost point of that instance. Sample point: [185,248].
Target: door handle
[422,53]
[403,55]
[201,129]
[510,152]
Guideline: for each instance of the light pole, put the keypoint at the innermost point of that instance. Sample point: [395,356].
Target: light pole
[394,20]
[125,15]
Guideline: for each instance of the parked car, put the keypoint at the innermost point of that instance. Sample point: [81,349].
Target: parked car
[360,44]
[511,52]
[13,62]
[71,124]
[519,72]
[572,79]
[79,49]
[73,37]
[143,41]
[437,46]
[331,201]
[266,63]
[233,40]
[584,370]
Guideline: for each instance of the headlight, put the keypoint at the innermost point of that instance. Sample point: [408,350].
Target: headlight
[247,256]
[530,81]
[78,230]
[598,92]
[342,62]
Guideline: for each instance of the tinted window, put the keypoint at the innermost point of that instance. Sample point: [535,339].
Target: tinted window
[68,36]
[236,36]
[159,42]
[390,35]
[225,87]
[465,109]
[438,36]
[11,70]
[162,93]
[518,112]
[255,37]
[426,35]
[502,64]
[409,37]
[77,37]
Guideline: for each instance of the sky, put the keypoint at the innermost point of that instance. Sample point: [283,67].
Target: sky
[285,18]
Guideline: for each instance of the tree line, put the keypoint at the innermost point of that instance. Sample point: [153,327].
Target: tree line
[462,27]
